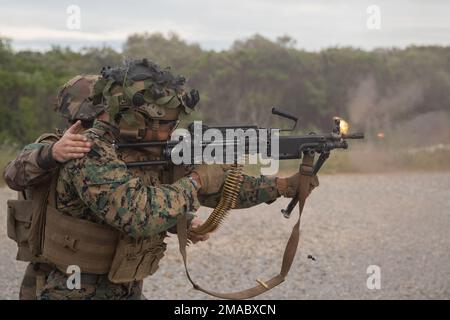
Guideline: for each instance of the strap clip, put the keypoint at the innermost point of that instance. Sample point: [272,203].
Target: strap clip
[262,283]
[306,170]
[70,243]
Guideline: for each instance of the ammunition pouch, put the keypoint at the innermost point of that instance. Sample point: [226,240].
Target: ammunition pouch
[99,249]
[43,234]
[18,226]
[24,223]
[71,241]
[136,259]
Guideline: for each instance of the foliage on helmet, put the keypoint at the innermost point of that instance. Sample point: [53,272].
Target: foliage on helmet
[142,84]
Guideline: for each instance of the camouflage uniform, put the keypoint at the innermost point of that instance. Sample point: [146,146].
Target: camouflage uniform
[26,170]
[33,166]
[100,188]
[35,163]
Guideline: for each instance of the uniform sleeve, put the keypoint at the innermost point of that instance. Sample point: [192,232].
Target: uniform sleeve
[34,165]
[254,190]
[107,188]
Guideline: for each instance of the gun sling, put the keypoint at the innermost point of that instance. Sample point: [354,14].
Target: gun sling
[306,174]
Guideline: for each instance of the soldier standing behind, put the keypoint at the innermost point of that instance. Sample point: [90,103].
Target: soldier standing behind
[38,161]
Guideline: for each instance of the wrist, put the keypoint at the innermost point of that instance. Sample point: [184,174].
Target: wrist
[45,159]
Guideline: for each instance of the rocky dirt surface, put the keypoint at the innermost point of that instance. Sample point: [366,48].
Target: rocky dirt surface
[399,222]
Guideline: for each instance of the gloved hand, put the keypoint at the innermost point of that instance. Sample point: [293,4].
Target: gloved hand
[212,177]
[196,222]
[287,187]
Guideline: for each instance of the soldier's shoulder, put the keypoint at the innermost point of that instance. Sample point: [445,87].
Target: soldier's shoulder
[101,144]
[94,133]
[44,139]
[48,138]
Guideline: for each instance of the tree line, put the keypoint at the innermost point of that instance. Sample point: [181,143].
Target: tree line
[240,85]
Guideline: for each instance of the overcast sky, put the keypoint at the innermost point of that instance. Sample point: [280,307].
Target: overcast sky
[215,24]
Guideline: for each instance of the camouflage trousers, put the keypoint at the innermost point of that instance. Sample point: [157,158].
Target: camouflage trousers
[35,273]
[93,287]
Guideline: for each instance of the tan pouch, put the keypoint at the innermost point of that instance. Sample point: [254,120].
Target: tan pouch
[73,241]
[136,259]
[19,216]
[19,220]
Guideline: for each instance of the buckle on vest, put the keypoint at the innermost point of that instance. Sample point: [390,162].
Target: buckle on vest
[70,243]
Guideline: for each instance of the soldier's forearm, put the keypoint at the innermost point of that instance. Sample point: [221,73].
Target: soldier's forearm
[12,177]
[253,192]
[167,202]
[138,210]
[31,167]
[190,217]
[103,183]
[44,158]
[256,190]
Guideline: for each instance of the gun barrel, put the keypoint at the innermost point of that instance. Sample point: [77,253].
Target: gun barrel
[147,163]
[147,144]
[357,135]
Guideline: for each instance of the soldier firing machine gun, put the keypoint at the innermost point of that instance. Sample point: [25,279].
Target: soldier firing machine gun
[290,147]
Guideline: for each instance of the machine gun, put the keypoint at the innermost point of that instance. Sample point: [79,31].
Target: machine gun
[290,146]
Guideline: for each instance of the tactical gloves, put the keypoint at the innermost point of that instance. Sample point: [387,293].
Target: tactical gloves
[287,187]
[212,177]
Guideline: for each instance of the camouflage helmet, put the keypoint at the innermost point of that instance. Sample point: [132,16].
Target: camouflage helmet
[142,86]
[76,100]
[140,96]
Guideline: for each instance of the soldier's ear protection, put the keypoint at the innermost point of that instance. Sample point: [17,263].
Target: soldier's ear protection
[190,100]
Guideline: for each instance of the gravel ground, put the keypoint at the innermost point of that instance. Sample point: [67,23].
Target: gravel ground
[399,222]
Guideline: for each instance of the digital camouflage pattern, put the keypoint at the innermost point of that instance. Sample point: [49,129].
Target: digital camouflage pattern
[137,201]
[100,188]
[253,191]
[99,289]
[20,174]
[33,272]
[35,164]
[76,100]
